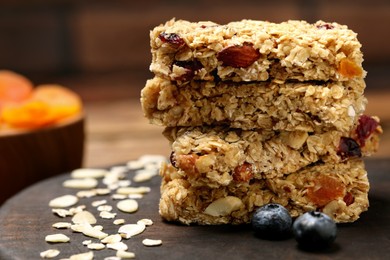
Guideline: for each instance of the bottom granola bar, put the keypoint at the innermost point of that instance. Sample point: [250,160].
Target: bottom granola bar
[339,190]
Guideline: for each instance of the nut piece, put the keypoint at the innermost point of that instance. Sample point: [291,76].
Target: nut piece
[57,238]
[84,217]
[124,254]
[128,205]
[87,183]
[63,201]
[151,242]
[223,206]
[51,253]
[88,173]
[294,139]
[239,56]
[130,230]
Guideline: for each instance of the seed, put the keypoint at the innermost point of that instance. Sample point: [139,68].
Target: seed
[107,215]
[61,225]
[111,239]
[63,201]
[151,242]
[57,238]
[96,246]
[88,173]
[124,254]
[83,256]
[84,217]
[133,190]
[51,253]
[130,230]
[119,221]
[128,205]
[118,246]
[98,203]
[87,183]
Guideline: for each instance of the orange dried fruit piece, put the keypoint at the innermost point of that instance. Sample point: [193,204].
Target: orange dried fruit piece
[325,189]
[349,68]
[47,105]
[14,87]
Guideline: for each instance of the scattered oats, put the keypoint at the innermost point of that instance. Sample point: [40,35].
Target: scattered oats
[111,239]
[96,246]
[77,209]
[104,208]
[113,177]
[97,203]
[78,228]
[83,256]
[112,258]
[132,165]
[63,201]
[152,166]
[117,246]
[98,227]
[144,175]
[87,183]
[119,221]
[102,191]
[128,205]
[51,253]
[88,173]
[124,183]
[84,217]
[145,221]
[152,159]
[151,242]
[86,193]
[62,212]
[113,186]
[95,233]
[107,215]
[124,254]
[133,190]
[135,196]
[130,230]
[60,225]
[118,196]
[119,169]
[57,238]
[87,242]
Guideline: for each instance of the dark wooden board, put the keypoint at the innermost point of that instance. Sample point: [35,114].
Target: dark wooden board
[26,219]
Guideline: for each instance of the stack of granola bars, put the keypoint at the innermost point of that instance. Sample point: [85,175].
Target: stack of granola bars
[258,112]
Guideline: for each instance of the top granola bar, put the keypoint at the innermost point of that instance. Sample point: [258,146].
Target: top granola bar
[251,50]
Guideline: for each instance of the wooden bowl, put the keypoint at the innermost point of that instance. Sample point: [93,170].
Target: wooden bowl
[30,156]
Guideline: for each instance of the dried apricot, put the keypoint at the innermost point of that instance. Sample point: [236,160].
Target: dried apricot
[325,190]
[349,68]
[13,87]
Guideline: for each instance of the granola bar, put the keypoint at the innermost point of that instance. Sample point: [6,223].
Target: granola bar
[251,50]
[304,106]
[339,190]
[219,156]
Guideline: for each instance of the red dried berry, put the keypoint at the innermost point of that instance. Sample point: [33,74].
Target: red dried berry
[348,147]
[172,38]
[191,67]
[366,127]
[326,26]
[243,172]
[239,56]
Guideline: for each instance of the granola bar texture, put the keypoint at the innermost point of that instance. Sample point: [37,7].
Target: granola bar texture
[251,50]
[339,190]
[220,156]
[298,106]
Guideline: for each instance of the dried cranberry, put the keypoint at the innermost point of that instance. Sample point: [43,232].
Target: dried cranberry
[191,67]
[172,38]
[366,127]
[348,147]
[326,26]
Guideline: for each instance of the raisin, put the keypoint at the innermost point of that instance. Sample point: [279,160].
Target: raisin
[172,38]
[366,127]
[348,147]
[172,159]
[243,172]
[349,199]
[190,66]
[326,26]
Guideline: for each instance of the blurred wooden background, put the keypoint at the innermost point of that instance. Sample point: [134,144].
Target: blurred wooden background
[101,50]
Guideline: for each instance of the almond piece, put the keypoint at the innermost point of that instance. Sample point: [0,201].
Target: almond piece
[223,206]
[238,56]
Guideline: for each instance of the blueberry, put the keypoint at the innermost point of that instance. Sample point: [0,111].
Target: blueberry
[314,230]
[272,221]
